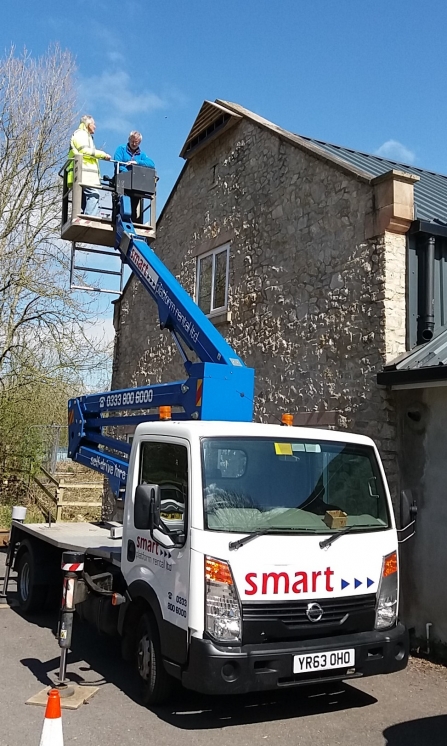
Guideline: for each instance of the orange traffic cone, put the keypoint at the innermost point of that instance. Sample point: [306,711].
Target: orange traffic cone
[52,725]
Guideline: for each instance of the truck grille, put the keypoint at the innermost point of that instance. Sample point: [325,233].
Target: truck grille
[285,620]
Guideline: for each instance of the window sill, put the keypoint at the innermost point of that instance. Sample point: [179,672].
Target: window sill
[220,318]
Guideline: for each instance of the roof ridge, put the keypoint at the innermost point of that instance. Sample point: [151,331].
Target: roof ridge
[307,144]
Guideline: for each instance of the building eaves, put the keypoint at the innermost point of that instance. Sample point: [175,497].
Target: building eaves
[211,121]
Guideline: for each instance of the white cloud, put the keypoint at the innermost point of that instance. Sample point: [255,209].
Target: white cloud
[115,124]
[116,57]
[116,100]
[117,90]
[395,151]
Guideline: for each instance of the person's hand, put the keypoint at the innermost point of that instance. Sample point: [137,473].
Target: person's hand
[131,163]
[107,157]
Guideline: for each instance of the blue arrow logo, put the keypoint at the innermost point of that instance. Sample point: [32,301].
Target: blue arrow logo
[344,584]
[369,582]
[357,583]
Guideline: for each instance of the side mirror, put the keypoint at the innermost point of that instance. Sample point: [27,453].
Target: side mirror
[144,497]
[408,513]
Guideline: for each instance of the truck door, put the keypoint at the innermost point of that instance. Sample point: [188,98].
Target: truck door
[163,461]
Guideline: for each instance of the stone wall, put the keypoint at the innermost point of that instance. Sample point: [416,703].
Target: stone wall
[312,302]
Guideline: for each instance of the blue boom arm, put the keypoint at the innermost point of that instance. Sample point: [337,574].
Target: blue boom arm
[219,387]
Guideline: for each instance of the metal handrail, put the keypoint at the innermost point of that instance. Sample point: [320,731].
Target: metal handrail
[69,160]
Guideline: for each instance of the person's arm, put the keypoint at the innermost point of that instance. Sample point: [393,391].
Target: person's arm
[120,155]
[102,155]
[144,160]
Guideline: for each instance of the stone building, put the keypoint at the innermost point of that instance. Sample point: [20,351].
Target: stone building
[300,253]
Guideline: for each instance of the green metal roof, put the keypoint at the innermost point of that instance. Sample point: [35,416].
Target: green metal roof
[430,192]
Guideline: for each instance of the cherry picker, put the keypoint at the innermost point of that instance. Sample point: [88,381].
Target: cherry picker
[251,556]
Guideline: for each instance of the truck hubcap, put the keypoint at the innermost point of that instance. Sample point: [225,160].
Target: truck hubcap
[144,657]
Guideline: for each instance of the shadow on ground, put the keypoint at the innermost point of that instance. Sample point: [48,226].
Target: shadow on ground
[423,732]
[192,711]
[96,660]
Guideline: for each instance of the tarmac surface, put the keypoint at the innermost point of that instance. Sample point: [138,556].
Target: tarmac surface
[404,709]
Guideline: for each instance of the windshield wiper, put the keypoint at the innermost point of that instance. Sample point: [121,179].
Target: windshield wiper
[270,530]
[254,535]
[330,540]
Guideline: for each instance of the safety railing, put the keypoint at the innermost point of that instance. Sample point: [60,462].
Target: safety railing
[72,195]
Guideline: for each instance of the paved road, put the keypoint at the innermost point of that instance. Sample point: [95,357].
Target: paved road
[404,709]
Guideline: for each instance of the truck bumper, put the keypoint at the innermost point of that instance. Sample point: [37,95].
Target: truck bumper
[214,669]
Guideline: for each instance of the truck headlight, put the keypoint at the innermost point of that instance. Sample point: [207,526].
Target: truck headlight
[386,607]
[222,608]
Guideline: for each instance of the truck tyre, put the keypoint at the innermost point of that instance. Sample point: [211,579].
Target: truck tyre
[156,684]
[32,597]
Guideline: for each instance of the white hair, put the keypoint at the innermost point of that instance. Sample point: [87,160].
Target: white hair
[87,119]
[135,133]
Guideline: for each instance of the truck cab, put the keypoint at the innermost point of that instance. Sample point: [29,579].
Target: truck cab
[229,536]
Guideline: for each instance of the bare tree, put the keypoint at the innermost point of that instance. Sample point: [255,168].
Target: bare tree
[42,325]
[44,348]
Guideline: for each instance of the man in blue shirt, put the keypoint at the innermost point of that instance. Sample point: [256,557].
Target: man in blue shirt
[131,155]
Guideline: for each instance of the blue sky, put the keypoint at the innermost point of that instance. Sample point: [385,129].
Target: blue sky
[367,75]
[352,72]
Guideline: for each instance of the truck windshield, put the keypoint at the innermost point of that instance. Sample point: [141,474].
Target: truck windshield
[252,484]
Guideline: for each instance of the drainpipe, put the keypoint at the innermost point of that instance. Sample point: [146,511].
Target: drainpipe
[427,636]
[427,318]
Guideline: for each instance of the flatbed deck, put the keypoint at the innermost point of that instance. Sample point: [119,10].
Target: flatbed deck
[88,538]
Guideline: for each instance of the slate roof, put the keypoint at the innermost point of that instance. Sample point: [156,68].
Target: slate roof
[430,192]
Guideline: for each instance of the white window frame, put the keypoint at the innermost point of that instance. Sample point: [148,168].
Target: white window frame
[218,250]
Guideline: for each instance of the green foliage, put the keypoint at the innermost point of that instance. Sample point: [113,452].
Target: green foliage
[27,413]
[33,515]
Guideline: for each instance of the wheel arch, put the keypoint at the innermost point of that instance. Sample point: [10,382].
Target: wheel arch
[44,558]
[173,639]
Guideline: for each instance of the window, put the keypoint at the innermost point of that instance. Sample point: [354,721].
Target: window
[166,464]
[212,280]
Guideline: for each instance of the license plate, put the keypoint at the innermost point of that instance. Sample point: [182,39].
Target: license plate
[324,661]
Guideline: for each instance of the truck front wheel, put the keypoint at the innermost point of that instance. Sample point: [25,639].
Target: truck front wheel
[31,596]
[156,684]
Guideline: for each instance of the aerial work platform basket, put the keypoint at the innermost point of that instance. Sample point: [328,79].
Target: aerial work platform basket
[137,181]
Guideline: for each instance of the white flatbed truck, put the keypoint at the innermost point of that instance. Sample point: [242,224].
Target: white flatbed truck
[227,576]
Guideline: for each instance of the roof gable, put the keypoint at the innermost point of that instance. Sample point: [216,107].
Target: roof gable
[430,189]
[210,122]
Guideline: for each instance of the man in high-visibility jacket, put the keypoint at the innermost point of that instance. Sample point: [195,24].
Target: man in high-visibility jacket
[82,143]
